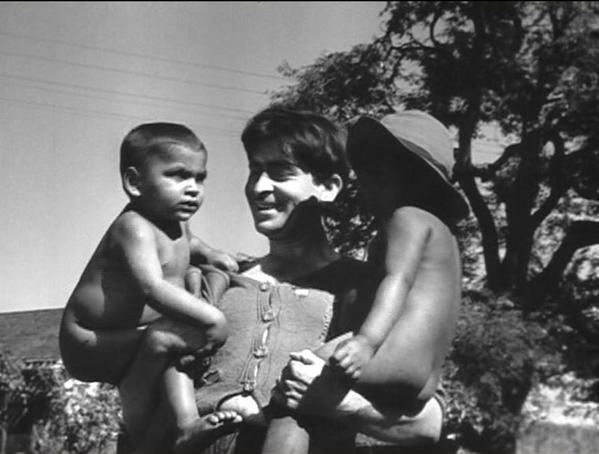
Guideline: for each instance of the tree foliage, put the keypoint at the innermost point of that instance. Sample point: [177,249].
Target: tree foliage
[530,69]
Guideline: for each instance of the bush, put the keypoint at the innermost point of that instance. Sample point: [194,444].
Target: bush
[82,418]
[496,357]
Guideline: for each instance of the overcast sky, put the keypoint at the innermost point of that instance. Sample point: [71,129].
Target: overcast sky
[76,77]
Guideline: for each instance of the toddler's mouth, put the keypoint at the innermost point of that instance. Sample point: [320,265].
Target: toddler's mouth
[190,205]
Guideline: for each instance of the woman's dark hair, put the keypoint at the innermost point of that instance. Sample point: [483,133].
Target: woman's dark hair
[312,141]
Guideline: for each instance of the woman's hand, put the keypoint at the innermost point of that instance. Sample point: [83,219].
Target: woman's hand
[301,371]
[308,386]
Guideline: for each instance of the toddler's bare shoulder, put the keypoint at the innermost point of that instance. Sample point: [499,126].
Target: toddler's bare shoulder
[412,218]
[129,226]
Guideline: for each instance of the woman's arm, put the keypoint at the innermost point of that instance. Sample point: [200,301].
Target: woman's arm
[309,387]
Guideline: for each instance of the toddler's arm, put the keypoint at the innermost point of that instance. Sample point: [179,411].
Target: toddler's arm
[201,253]
[406,239]
[135,240]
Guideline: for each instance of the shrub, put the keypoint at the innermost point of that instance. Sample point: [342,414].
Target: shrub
[82,418]
[496,357]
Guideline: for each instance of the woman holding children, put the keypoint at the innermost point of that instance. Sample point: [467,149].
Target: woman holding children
[318,341]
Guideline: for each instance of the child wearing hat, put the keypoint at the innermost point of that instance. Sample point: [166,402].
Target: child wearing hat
[403,164]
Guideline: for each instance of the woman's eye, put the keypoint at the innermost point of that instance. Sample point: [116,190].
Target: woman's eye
[280,172]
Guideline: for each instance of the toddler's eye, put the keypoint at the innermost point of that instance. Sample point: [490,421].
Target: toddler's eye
[175,175]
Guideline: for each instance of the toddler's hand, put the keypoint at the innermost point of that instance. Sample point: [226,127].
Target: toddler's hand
[193,281]
[351,355]
[223,260]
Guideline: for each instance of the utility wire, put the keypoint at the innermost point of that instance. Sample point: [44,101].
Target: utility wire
[139,55]
[140,103]
[121,93]
[131,72]
[106,114]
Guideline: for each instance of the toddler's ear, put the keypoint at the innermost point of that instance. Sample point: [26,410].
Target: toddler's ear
[331,188]
[131,182]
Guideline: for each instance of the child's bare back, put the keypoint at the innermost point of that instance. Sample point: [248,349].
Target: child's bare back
[106,297]
[414,231]
[404,164]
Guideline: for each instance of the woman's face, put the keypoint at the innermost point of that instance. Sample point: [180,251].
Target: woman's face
[275,186]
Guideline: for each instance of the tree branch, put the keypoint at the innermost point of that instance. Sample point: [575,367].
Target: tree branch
[580,234]
[431,29]
[556,181]
[487,171]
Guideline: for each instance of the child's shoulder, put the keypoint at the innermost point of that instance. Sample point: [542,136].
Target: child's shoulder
[412,215]
[414,219]
[129,224]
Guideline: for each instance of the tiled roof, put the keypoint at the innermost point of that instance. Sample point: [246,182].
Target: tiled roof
[31,335]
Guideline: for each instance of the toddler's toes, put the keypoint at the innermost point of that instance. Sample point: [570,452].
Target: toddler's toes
[225,417]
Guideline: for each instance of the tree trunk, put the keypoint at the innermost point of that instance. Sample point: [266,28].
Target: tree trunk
[488,230]
[3,439]
[580,234]
[519,204]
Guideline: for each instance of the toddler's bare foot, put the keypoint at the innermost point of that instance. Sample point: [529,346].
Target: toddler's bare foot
[205,429]
[246,406]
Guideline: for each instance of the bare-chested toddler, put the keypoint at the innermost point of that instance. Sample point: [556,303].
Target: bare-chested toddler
[130,320]
[403,165]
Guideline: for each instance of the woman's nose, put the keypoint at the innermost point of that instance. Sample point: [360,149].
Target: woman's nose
[262,183]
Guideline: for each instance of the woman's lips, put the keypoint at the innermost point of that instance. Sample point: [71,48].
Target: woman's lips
[264,206]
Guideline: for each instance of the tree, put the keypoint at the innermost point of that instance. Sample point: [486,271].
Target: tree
[530,68]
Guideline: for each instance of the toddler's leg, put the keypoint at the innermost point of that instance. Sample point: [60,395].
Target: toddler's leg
[192,432]
[286,436]
[159,435]
[380,376]
[164,341]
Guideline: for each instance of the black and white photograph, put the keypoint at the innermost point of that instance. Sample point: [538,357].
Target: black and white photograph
[299,227]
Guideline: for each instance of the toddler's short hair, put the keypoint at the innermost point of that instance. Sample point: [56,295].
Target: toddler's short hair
[311,140]
[147,138]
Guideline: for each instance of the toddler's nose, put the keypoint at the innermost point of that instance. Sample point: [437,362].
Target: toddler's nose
[192,187]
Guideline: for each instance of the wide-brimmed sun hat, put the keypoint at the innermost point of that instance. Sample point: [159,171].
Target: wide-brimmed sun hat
[414,131]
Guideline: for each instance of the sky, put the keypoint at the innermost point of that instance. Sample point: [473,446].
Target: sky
[76,77]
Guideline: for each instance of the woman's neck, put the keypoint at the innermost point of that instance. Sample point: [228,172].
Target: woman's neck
[289,259]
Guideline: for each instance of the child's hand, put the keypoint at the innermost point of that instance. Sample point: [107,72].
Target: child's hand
[352,354]
[222,260]
[193,281]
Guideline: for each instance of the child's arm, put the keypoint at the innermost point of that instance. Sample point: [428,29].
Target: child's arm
[135,240]
[406,238]
[204,253]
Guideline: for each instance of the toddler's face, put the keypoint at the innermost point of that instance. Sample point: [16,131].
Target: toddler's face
[172,182]
[381,181]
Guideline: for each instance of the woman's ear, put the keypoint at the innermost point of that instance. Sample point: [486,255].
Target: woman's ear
[131,182]
[331,188]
